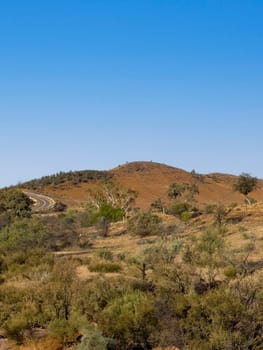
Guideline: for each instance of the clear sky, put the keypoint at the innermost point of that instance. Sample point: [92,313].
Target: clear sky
[91,84]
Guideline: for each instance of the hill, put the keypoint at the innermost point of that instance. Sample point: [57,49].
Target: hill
[151,181]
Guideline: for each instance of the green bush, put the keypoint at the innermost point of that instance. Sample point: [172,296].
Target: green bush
[218,311]
[186,216]
[144,224]
[129,319]
[23,234]
[109,212]
[178,208]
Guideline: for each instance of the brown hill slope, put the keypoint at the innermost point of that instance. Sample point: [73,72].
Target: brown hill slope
[151,181]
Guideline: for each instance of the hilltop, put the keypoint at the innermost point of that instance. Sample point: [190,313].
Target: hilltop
[151,180]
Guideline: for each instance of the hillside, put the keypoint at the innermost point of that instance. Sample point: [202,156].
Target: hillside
[151,181]
[159,280]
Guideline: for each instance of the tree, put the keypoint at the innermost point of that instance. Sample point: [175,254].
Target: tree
[245,184]
[185,190]
[62,289]
[156,257]
[175,190]
[112,194]
[207,252]
[15,203]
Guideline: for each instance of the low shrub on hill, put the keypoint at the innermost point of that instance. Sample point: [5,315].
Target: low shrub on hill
[144,224]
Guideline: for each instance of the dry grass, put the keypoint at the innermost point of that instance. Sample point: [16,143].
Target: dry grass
[43,344]
[167,348]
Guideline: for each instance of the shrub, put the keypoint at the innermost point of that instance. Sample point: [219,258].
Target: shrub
[84,218]
[186,216]
[130,319]
[23,234]
[15,203]
[220,214]
[230,272]
[109,212]
[144,224]
[104,254]
[60,207]
[158,205]
[210,208]
[15,327]
[178,208]
[63,330]
[5,220]
[105,267]
[94,340]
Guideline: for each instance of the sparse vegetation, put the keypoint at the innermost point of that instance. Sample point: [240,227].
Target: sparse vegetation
[150,281]
[73,177]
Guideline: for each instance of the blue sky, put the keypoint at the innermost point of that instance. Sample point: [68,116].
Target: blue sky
[93,84]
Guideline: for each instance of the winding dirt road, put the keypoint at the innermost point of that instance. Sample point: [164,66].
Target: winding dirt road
[41,203]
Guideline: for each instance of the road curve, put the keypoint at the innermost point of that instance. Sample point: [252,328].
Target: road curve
[41,203]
